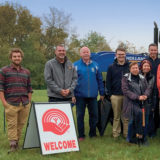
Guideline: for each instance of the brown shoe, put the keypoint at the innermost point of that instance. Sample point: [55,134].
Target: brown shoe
[13,146]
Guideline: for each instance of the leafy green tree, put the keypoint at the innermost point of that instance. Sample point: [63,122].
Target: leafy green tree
[27,25]
[16,24]
[7,24]
[34,60]
[96,42]
[18,28]
[73,48]
[4,55]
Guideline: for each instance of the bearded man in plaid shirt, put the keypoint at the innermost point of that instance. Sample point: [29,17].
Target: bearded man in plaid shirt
[15,94]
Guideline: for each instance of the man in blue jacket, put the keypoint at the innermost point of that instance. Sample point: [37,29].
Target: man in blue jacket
[86,91]
[113,89]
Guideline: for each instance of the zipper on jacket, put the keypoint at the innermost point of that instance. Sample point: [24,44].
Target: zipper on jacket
[63,73]
[88,81]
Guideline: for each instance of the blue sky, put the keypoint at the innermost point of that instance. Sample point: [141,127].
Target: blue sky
[117,20]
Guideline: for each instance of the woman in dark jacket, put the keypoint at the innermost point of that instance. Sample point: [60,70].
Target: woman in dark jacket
[136,92]
[145,68]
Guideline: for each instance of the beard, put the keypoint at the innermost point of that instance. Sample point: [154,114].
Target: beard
[16,64]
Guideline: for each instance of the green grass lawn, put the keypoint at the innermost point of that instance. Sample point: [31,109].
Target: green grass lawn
[99,148]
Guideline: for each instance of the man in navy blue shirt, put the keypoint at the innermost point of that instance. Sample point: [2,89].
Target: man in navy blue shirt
[113,89]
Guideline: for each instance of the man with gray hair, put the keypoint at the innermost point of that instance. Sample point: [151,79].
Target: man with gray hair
[86,91]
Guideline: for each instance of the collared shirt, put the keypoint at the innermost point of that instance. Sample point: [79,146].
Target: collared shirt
[15,84]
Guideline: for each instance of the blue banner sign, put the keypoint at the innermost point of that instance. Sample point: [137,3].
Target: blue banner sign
[104,59]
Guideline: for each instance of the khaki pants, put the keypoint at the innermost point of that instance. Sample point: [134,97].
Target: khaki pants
[117,104]
[16,117]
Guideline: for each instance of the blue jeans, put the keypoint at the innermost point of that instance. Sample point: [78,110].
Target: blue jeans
[92,106]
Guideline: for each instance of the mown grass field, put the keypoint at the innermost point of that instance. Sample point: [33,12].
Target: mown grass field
[99,148]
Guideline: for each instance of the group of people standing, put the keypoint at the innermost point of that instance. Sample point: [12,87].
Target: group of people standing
[78,83]
[132,92]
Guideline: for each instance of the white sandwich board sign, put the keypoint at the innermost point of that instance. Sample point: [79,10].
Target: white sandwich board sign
[51,127]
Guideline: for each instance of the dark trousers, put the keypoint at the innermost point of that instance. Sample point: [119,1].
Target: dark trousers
[92,106]
[146,128]
[135,126]
[54,99]
[151,125]
[156,116]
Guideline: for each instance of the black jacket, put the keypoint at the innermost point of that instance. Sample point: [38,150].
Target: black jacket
[155,64]
[114,76]
[151,83]
[154,69]
[132,90]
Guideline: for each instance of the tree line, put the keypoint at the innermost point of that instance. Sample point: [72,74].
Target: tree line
[38,38]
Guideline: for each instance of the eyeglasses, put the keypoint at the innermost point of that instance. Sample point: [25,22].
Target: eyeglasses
[61,50]
[120,54]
